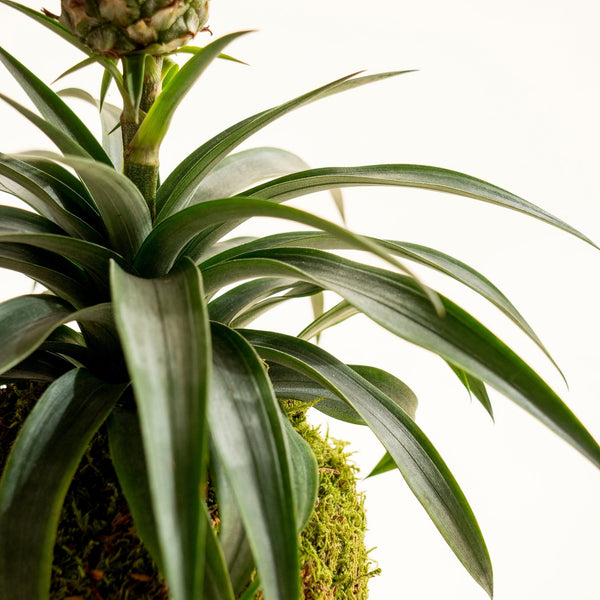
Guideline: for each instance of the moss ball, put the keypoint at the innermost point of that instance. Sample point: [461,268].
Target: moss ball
[98,555]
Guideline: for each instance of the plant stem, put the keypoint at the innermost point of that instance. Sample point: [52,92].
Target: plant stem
[143,174]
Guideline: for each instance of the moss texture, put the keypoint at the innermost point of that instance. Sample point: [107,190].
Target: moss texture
[98,555]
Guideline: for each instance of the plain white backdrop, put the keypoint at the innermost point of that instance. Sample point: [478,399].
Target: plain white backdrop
[508,93]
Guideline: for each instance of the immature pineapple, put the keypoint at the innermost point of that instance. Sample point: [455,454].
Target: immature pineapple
[119,27]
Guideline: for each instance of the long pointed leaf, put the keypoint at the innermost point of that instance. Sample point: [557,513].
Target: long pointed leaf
[393,301]
[304,474]
[17,220]
[475,387]
[226,307]
[416,176]
[127,454]
[249,437]
[40,467]
[217,584]
[71,192]
[112,141]
[155,125]
[429,257]
[53,108]
[163,326]
[422,467]
[290,384]
[63,141]
[40,366]
[237,553]
[181,184]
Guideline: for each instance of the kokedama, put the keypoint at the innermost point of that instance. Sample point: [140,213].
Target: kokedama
[142,332]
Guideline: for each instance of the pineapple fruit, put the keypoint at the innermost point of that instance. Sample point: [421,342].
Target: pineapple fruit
[119,27]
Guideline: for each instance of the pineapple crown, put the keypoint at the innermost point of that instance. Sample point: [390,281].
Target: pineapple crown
[116,28]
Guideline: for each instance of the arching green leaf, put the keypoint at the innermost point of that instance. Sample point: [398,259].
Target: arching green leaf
[163,326]
[415,176]
[53,109]
[181,184]
[250,440]
[145,144]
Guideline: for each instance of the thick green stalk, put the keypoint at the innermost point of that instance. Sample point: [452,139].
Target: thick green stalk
[144,173]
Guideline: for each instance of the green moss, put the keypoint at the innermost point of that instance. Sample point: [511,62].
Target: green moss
[98,555]
[334,561]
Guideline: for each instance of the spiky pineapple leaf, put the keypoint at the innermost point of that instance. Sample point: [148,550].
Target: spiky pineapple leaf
[422,467]
[53,109]
[249,438]
[163,326]
[63,185]
[196,49]
[393,301]
[384,465]
[335,315]
[134,70]
[241,304]
[154,127]
[63,141]
[37,475]
[415,176]
[181,184]
[290,384]
[299,290]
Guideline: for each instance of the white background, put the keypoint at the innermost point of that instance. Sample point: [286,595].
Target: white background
[507,92]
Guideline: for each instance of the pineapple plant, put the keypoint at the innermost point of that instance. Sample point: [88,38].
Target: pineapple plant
[144,329]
